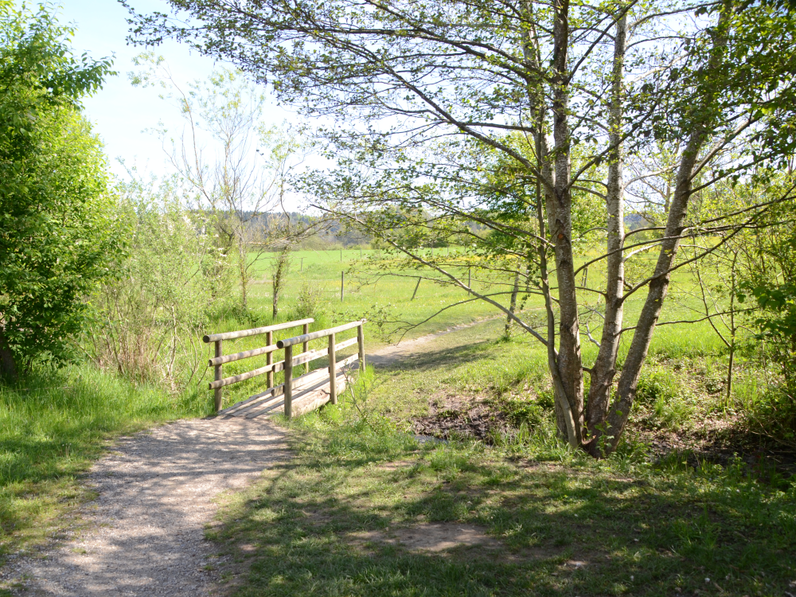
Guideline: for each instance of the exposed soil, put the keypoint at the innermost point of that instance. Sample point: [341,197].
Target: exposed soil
[463,417]
[720,437]
[430,537]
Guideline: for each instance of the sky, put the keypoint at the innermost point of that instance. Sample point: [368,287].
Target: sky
[121,113]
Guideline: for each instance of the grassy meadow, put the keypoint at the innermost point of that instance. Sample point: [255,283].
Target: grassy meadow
[457,435]
[359,509]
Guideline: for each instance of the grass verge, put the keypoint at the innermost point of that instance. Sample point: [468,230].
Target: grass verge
[52,426]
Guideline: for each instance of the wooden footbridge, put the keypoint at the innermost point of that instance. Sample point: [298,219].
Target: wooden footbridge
[295,395]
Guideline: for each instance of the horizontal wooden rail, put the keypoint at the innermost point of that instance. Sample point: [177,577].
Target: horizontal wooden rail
[256,331]
[229,358]
[228,381]
[346,362]
[345,344]
[320,334]
[289,343]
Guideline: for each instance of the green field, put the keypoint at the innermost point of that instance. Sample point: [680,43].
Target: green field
[341,518]
[680,509]
[377,289]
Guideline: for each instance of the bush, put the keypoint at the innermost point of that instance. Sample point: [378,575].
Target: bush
[150,320]
[310,303]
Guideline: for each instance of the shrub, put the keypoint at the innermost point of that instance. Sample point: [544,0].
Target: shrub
[150,320]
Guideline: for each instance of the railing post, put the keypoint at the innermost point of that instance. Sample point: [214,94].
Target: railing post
[332,371]
[288,382]
[361,346]
[269,359]
[305,347]
[217,395]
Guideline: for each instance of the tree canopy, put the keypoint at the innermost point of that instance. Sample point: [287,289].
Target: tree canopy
[57,222]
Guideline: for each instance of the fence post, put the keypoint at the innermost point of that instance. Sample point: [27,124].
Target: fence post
[288,382]
[414,294]
[306,347]
[332,370]
[361,346]
[217,392]
[342,286]
[269,360]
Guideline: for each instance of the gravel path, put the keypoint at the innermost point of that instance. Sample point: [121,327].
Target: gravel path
[155,493]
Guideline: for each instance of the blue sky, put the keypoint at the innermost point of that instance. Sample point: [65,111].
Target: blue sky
[120,112]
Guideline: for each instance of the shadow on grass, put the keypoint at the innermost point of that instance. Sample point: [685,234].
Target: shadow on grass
[310,530]
[432,359]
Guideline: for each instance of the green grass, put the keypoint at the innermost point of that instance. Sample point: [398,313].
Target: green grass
[330,522]
[52,426]
[642,526]
[381,292]
[327,523]
[380,288]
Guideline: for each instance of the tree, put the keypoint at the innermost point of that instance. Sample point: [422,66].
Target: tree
[58,230]
[434,95]
[768,278]
[237,165]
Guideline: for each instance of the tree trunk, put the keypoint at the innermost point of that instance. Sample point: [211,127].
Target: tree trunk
[512,303]
[604,369]
[658,287]
[243,274]
[8,367]
[279,273]
[547,187]
[610,434]
[568,368]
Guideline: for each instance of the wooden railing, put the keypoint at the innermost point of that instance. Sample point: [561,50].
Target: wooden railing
[331,351]
[289,362]
[268,350]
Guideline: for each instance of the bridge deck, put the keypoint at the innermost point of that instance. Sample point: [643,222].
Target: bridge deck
[310,391]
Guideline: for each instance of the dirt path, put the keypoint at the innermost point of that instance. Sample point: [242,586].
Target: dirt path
[155,493]
[394,353]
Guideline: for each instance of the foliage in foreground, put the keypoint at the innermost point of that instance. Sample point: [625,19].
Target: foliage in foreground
[53,424]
